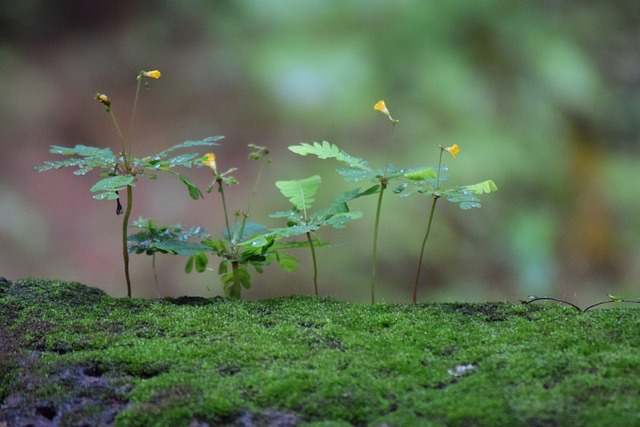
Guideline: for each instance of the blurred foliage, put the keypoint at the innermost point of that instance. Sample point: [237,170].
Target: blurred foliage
[543,97]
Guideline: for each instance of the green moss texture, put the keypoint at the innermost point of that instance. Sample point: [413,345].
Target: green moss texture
[72,355]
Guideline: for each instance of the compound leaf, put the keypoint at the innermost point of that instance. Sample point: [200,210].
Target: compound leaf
[207,141]
[323,151]
[300,192]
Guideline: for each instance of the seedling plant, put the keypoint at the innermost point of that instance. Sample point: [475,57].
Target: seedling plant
[152,239]
[300,220]
[423,180]
[246,242]
[229,249]
[120,171]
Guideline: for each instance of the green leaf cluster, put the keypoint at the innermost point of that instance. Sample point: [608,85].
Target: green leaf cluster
[172,239]
[88,159]
[119,172]
[301,193]
[423,180]
[357,170]
[256,255]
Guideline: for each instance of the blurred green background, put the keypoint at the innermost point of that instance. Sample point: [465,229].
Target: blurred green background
[542,97]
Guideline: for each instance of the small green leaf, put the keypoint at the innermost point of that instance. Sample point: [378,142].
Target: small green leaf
[461,195]
[222,268]
[201,262]
[111,185]
[107,196]
[487,186]
[244,277]
[188,268]
[323,151]
[327,150]
[240,232]
[287,262]
[207,142]
[421,174]
[400,188]
[300,192]
[194,191]
[184,160]
[90,158]
[355,175]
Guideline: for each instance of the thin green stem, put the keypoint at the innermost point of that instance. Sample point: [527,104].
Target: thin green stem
[315,264]
[439,168]
[235,290]
[224,207]
[435,198]
[253,194]
[125,227]
[424,243]
[121,137]
[133,112]
[383,186]
[155,274]
[389,145]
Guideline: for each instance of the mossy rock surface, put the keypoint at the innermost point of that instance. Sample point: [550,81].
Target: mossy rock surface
[72,356]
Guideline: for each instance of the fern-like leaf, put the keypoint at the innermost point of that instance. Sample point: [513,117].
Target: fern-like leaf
[207,142]
[300,192]
[326,150]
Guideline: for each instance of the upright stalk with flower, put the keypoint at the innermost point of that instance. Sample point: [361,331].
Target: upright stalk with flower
[423,180]
[231,248]
[453,150]
[120,172]
[359,169]
[428,182]
[382,107]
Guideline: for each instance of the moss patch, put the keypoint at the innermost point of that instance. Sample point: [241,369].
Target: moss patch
[70,354]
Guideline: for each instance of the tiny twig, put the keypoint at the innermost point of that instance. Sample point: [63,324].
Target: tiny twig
[552,299]
[612,300]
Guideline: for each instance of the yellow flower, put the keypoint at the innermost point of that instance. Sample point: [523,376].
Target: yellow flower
[211,161]
[382,107]
[155,74]
[104,99]
[453,150]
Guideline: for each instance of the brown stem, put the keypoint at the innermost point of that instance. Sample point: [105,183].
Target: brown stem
[235,289]
[315,264]
[125,249]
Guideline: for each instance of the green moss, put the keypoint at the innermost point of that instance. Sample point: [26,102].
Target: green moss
[327,362]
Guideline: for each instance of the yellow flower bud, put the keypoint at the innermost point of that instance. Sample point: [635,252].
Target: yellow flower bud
[211,162]
[104,99]
[155,74]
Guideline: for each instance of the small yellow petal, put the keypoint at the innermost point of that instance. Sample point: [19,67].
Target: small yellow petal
[211,161]
[453,150]
[382,107]
[155,74]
